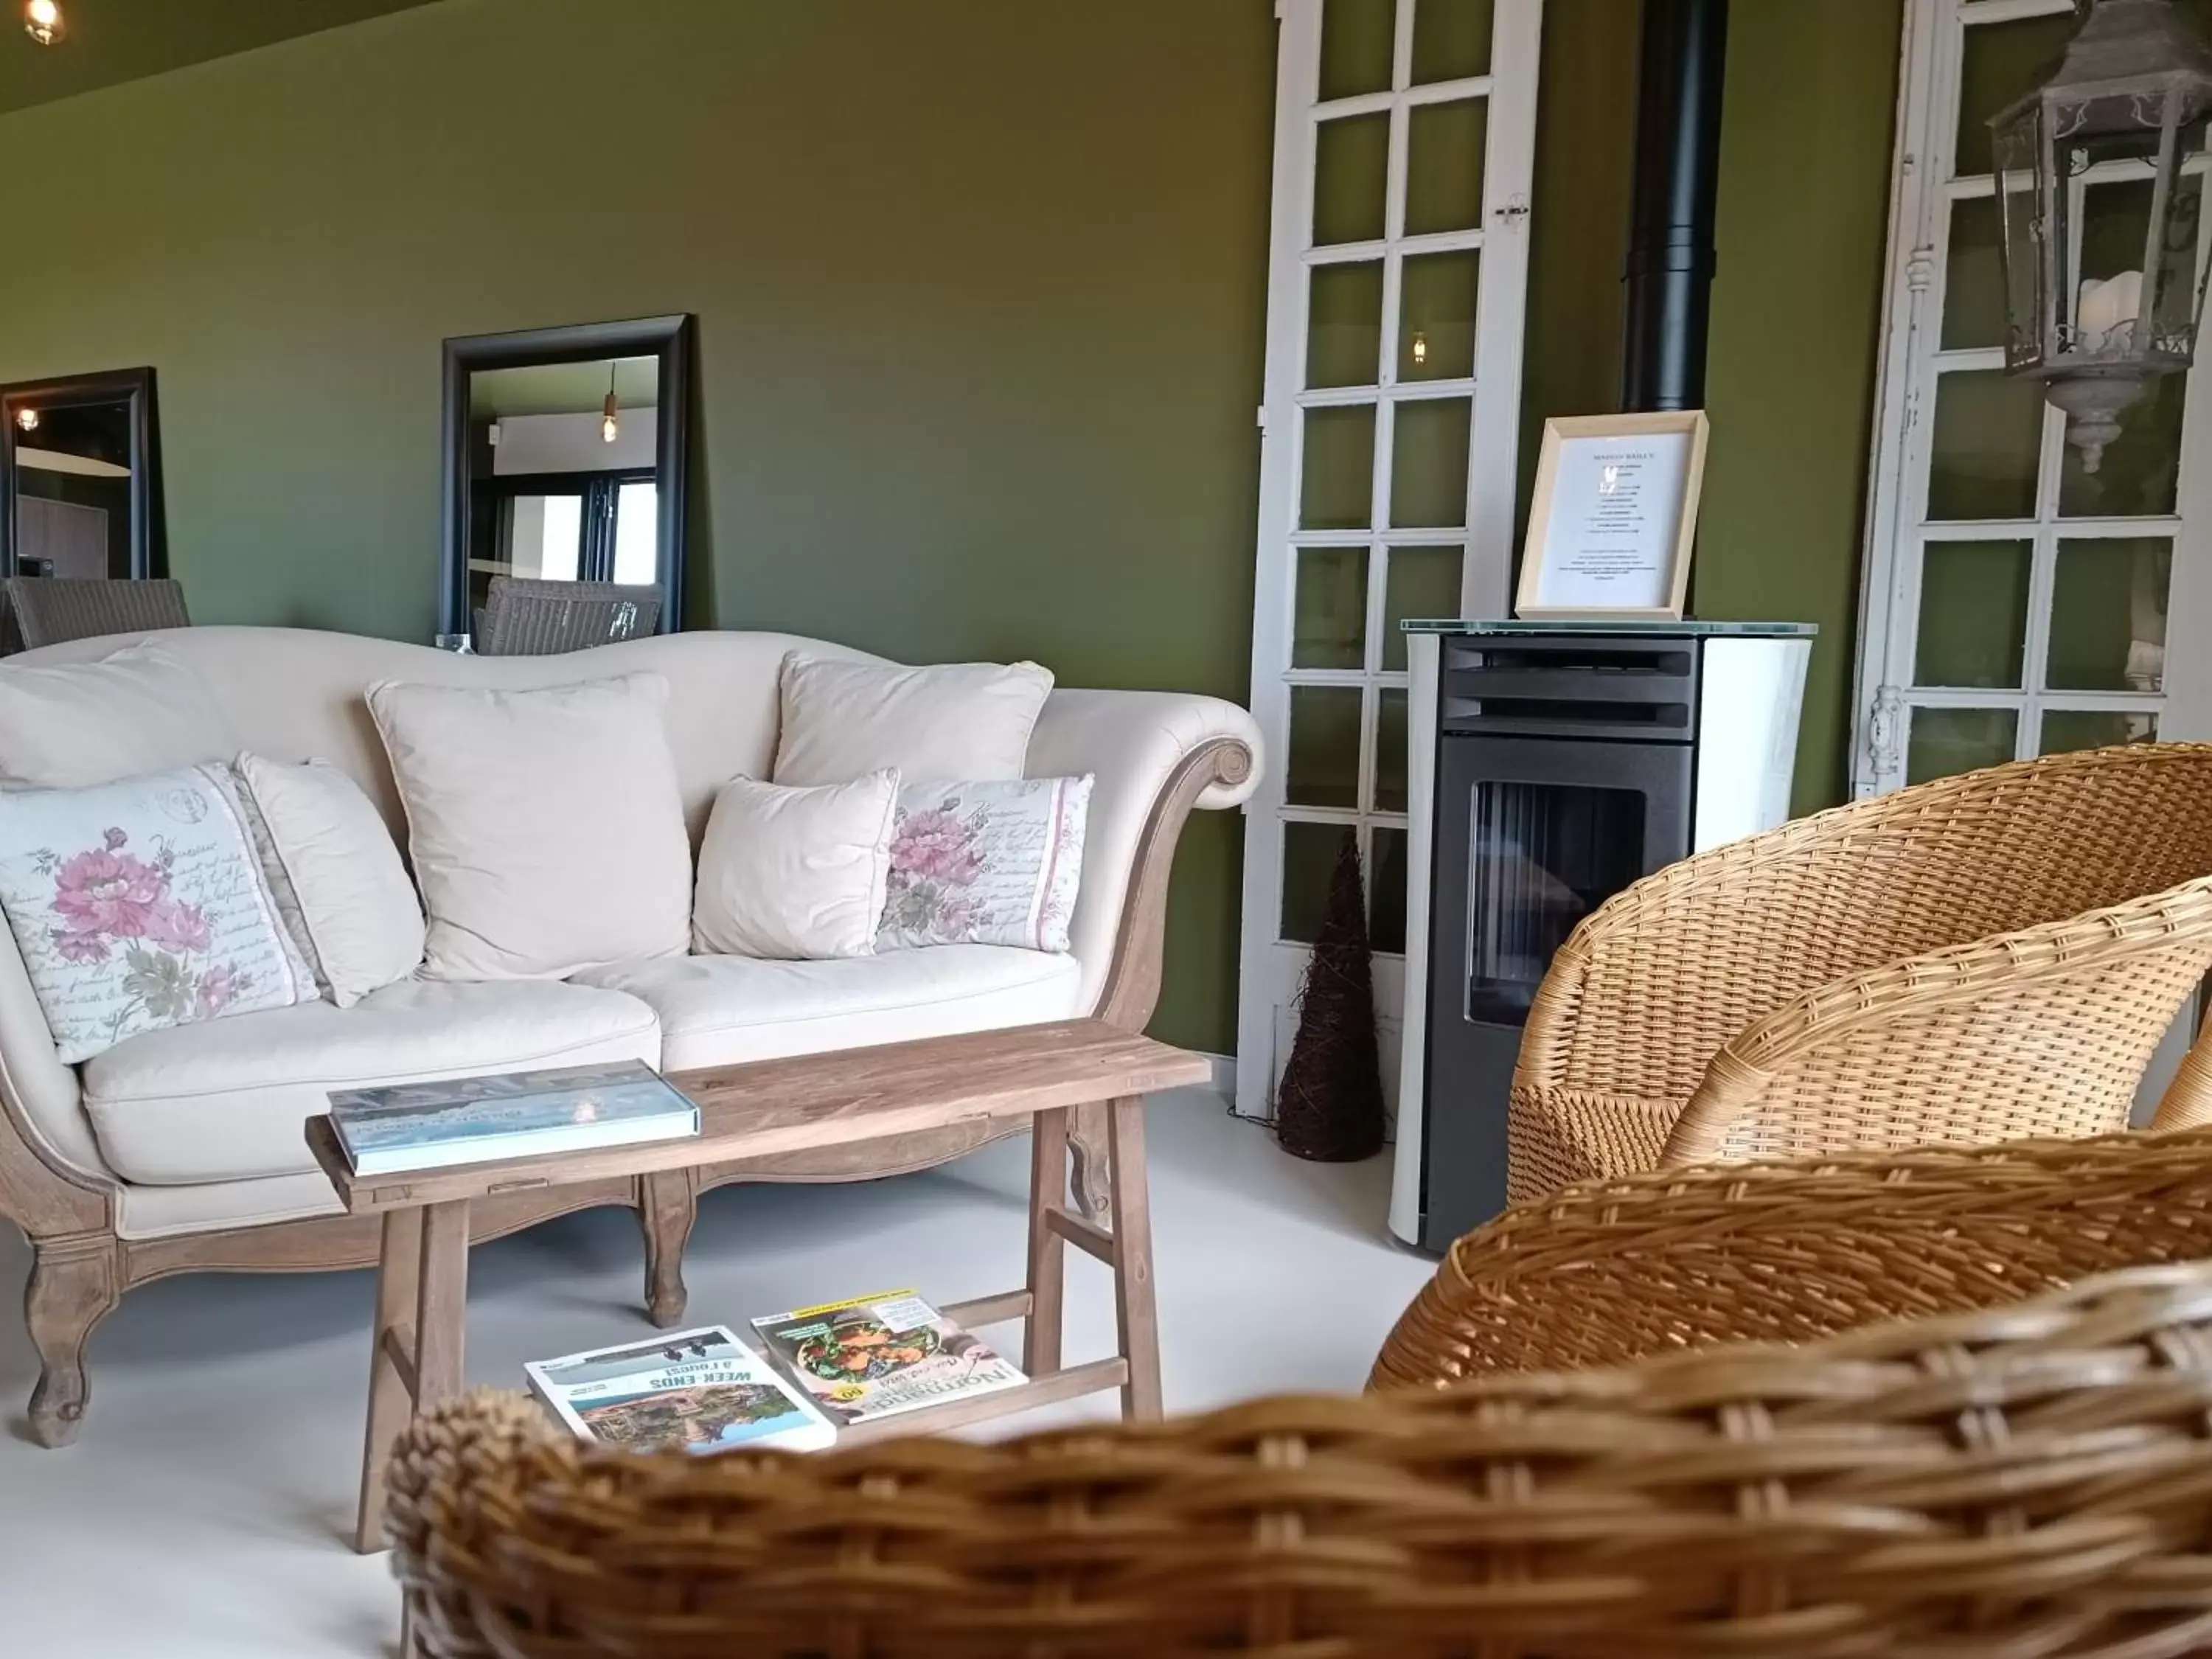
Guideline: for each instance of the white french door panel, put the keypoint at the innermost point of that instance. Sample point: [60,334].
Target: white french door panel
[1273,964]
[1905,682]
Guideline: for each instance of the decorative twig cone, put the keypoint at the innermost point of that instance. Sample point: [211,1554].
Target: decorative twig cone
[1330,1107]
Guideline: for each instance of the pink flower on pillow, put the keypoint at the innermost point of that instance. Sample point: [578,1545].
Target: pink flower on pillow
[218,988]
[937,845]
[178,926]
[107,891]
[80,947]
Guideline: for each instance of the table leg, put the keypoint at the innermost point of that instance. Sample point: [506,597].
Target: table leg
[441,1308]
[391,1366]
[1048,1282]
[1134,1311]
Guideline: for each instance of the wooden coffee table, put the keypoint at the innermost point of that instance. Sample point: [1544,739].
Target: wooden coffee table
[804,1103]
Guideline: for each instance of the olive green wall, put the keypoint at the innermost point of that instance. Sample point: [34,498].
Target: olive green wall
[1806,137]
[980,287]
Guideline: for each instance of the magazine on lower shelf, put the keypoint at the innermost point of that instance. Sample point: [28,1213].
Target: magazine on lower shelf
[475,1120]
[878,1355]
[700,1390]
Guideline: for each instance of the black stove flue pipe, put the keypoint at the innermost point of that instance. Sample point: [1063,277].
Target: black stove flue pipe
[1668,280]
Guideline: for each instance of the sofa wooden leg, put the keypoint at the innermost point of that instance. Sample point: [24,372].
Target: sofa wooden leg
[668,1203]
[1086,1144]
[73,1282]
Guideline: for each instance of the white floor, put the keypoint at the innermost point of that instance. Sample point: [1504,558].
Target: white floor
[203,1513]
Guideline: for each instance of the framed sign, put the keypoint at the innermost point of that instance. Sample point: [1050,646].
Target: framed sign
[1614,514]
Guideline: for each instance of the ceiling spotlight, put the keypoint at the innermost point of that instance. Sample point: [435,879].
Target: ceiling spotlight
[43,20]
[609,426]
[28,419]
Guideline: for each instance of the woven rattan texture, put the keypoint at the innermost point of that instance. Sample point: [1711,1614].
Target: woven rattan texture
[2035,1480]
[523,617]
[49,610]
[1616,1270]
[1862,901]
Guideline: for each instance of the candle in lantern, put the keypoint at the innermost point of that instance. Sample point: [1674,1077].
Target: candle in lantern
[2107,309]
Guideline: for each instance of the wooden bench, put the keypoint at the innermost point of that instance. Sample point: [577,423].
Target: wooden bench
[806,1103]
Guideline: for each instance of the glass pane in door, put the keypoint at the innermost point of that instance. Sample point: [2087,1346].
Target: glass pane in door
[1945,741]
[1973,278]
[1357,39]
[1421,581]
[2108,616]
[1435,316]
[1344,325]
[544,536]
[1338,489]
[1543,857]
[637,533]
[1445,145]
[2141,468]
[1386,890]
[1323,768]
[2002,61]
[1350,159]
[2066,730]
[1428,463]
[1973,613]
[1310,855]
[1329,629]
[1986,446]
[1390,751]
[1451,38]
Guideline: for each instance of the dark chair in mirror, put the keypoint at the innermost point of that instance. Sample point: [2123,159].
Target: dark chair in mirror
[564,485]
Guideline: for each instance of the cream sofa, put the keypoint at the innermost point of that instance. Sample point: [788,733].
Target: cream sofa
[182,1150]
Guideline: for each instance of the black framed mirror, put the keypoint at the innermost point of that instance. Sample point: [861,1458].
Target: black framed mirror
[81,478]
[564,453]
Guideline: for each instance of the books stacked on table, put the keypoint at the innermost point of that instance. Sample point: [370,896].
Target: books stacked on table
[823,1368]
[479,1119]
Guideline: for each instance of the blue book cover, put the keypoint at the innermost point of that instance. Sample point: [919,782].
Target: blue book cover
[515,1113]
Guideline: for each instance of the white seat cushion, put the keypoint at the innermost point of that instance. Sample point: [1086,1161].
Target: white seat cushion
[715,1010]
[226,1099]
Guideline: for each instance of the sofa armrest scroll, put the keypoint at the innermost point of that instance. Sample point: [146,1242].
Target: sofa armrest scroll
[1157,756]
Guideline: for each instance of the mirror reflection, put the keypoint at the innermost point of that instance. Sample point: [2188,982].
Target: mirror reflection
[565,497]
[76,465]
[561,484]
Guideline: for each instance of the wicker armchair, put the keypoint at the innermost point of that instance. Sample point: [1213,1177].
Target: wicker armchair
[523,617]
[2031,1480]
[1613,1271]
[49,610]
[1902,970]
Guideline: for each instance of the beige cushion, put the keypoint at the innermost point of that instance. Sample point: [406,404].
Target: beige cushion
[137,710]
[356,902]
[795,873]
[547,826]
[844,720]
[227,1100]
[717,1010]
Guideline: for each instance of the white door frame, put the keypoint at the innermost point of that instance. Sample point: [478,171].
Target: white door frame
[1270,968]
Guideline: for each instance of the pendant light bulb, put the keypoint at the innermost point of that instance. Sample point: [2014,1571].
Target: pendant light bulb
[1420,349]
[44,22]
[28,419]
[610,422]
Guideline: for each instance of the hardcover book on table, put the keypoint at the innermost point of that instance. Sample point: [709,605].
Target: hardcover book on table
[700,1390]
[477,1120]
[878,1355]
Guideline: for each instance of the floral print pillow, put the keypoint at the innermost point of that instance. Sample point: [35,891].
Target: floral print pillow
[139,905]
[985,864]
